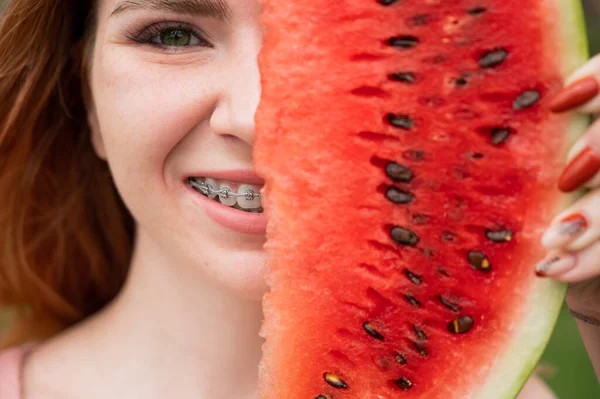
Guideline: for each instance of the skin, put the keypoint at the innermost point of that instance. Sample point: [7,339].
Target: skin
[186,324]
[584,278]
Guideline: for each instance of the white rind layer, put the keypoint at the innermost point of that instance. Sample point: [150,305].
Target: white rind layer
[526,346]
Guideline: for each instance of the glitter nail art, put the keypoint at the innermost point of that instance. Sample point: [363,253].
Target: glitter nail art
[572,225]
[555,265]
[542,268]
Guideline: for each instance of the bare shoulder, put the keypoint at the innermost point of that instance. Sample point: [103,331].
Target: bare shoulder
[11,361]
[536,388]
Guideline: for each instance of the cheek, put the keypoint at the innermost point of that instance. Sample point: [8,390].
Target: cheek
[144,110]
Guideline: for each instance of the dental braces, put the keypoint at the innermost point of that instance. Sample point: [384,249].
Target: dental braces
[207,190]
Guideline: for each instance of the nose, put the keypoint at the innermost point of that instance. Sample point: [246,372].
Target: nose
[240,90]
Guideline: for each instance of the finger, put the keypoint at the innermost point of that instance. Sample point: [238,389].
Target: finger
[581,90]
[577,227]
[584,162]
[571,267]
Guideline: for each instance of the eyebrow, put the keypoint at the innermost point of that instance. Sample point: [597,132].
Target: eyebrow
[206,8]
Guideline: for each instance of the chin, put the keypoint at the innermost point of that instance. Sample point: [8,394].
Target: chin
[241,272]
[244,275]
[203,250]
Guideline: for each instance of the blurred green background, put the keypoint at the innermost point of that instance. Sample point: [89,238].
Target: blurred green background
[565,364]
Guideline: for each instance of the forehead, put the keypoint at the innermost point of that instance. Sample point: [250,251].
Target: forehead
[219,9]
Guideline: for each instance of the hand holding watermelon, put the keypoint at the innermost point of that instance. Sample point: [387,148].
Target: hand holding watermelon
[573,239]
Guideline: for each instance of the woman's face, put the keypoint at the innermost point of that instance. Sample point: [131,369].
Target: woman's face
[175,85]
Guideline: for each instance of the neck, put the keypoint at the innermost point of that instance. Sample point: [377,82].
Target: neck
[192,334]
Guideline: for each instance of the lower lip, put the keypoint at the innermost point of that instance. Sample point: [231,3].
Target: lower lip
[231,218]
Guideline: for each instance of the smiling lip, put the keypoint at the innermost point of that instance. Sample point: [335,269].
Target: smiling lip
[231,218]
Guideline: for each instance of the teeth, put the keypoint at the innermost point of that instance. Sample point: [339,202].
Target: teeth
[246,202]
[227,200]
[245,197]
[212,183]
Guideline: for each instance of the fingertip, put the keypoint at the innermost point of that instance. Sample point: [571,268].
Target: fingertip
[556,265]
[580,170]
[552,238]
[575,95]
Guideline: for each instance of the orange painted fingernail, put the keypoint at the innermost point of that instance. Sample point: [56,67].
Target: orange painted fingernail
[580,170]
[574,95]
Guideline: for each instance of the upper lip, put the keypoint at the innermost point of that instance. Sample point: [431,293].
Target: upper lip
[236,176]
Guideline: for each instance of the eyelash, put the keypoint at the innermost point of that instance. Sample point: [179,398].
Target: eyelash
[146,35]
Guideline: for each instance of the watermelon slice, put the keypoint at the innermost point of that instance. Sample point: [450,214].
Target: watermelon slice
[411,166]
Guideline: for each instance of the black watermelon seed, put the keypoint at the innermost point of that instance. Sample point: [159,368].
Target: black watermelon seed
[405,77]
[477,10]
[413,277]
[398,172]
[526,99]
[499,235]
[404,236]
[398,196]
[321,397]
[462,81]
[492,58]
[420,333]
[403,383]
[500,135]
[335,381]
[387,2]
[479,261]
[403,42]
[372,331]
[402,121]
[400,359]
[449,304]
[412,300]
[421,350]
[461,325]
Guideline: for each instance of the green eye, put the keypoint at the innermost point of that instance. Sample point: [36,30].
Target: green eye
[171,37]
[175,37]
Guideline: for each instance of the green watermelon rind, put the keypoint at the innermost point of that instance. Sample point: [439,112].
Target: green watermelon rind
[528,344]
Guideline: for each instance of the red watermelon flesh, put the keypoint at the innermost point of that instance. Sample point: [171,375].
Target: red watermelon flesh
[411,167]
